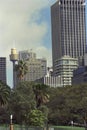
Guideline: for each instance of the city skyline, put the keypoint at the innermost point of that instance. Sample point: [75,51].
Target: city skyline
[25,25]
[17,20]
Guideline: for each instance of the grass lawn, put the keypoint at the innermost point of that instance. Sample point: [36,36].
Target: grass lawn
[68,128]
[18,127]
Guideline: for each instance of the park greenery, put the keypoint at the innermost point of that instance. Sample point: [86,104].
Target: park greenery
[36,104]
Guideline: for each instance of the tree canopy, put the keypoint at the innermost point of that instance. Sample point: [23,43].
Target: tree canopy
[22,101]
[67,104]
[60,105]
[41,94]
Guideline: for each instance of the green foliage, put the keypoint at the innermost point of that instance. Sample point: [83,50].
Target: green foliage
[33,103]
[36,118]
[4,93]
[22,101]
[68,103]
[44,109]
[41,94]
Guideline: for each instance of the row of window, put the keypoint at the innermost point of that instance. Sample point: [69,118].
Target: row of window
[72,2]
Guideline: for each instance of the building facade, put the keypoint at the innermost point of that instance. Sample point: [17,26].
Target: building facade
[64,67]
[80,76]
[50,80]
[68,29]
[37,68]
[3,69]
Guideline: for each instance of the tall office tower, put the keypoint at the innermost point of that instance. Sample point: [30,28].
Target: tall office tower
[3,69]
[68,29]
[37,67]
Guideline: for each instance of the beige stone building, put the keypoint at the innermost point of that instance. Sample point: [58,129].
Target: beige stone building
[37,68]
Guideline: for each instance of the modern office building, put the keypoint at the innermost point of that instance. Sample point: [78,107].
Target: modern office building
[68,29]
[37,68]
[64,67]
[3,69]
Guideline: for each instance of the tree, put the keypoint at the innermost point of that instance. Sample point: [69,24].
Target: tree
[21,68]
[41,94]
[68,104]
[22,101]
[36,118]
[58,111]
[4,93]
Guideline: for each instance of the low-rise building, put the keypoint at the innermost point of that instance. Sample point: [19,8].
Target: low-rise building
[50,80]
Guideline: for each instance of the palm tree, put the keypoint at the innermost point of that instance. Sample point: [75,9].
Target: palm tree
[41,94]
[21,69]
[4,93]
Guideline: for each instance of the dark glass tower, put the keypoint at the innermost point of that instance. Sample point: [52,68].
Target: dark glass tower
[3,69]
[68,29]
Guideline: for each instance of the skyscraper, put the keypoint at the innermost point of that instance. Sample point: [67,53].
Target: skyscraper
[68,29]
[3,69]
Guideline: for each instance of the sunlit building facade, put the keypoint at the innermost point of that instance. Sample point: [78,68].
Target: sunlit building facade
[37,68]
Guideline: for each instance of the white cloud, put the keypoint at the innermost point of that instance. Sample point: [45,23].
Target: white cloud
[45,53]
[18,22]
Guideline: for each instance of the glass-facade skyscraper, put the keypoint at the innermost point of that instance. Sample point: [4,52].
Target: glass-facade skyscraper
[68,29]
